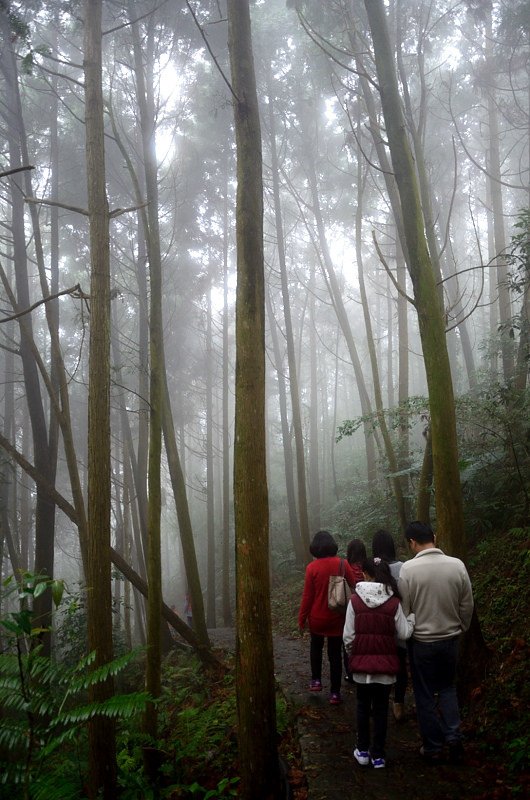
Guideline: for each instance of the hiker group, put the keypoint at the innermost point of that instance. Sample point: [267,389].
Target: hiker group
[398,612]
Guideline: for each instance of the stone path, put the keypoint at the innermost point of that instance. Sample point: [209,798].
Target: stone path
[327,737]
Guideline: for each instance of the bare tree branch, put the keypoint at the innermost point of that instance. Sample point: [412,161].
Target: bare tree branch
[75,291]
[473,160]
[323,44]
[207,43]
[40,201]
[118,212]
[390,273]
[12,171]
[453,195]
[134,21]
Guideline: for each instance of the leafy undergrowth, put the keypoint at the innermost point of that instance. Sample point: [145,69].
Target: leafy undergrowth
[498,716]
[198,726]
[198,736]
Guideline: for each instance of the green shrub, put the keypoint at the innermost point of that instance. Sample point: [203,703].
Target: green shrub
[44,704]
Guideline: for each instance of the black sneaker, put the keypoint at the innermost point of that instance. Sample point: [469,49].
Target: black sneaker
[432,757]
[456,752]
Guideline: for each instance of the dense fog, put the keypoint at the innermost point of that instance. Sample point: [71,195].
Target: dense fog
[343,348]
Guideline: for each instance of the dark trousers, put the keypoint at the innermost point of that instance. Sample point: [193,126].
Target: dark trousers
[433,670]
[372,699]
[402,678]
[334,656]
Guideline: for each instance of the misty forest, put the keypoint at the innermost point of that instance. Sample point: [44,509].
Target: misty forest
[264,271]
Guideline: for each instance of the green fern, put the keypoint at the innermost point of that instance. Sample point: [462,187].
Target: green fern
[43,702]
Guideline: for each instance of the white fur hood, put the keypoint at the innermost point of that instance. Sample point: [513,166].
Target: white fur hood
[372,594]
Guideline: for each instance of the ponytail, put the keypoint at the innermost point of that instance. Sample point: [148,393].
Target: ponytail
[379,570]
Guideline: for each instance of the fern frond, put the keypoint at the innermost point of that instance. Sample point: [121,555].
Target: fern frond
[9,664]
[11,772]
[100,674]
[54,787]
[121,706]
[13,735]
[69,735]
[14,701]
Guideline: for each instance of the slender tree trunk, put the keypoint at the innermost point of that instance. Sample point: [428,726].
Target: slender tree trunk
[146,105]
[299,551]
[390,345]
[178,485]
[495,178]
[294,390]
[450,519]
[203,650]
[174,462]
[227,605]
[44,512]
[210,523]
[314,402]
[336,296]
[259,765]
[102,746]
[395,482]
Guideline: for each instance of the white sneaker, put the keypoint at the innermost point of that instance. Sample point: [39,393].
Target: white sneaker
[362,757]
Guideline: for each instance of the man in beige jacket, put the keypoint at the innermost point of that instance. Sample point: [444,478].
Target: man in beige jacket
[437,589]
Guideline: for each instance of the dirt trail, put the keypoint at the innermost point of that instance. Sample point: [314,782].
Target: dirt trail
[327,738]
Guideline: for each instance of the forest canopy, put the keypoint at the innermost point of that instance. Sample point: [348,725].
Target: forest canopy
[394,310]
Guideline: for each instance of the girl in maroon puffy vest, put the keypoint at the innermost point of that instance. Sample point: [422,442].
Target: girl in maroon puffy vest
[374,620]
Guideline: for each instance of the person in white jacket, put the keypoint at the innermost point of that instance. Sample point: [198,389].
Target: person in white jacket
[374,622]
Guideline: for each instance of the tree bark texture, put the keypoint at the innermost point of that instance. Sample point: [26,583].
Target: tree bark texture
[450,520]
[254,654]
[102,752]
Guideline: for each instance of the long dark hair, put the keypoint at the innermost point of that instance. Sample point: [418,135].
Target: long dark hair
[383,546]
[379,570]
[356,551]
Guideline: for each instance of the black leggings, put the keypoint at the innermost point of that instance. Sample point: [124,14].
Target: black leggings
[334,656]
[372,701]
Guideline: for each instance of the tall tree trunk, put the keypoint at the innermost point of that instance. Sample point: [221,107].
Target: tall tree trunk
[450,519]
[416,130]
[210,523]
[178,485]
[294,390]
[102,744]
[395,482]
[227,605]
[259,765]
[299,550]
[390,345]
[336,296]
[423,507]
[314,402]
[495,180]
[203,650]
[174,461]
[146,106]
[44,512]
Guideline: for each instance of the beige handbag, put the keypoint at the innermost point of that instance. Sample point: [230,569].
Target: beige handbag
[339,592]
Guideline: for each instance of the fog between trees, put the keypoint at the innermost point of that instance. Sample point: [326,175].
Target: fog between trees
[342,338]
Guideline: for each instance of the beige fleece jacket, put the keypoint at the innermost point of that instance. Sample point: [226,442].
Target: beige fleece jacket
[437,589]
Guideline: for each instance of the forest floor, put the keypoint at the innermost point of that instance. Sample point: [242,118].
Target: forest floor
[326,734]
